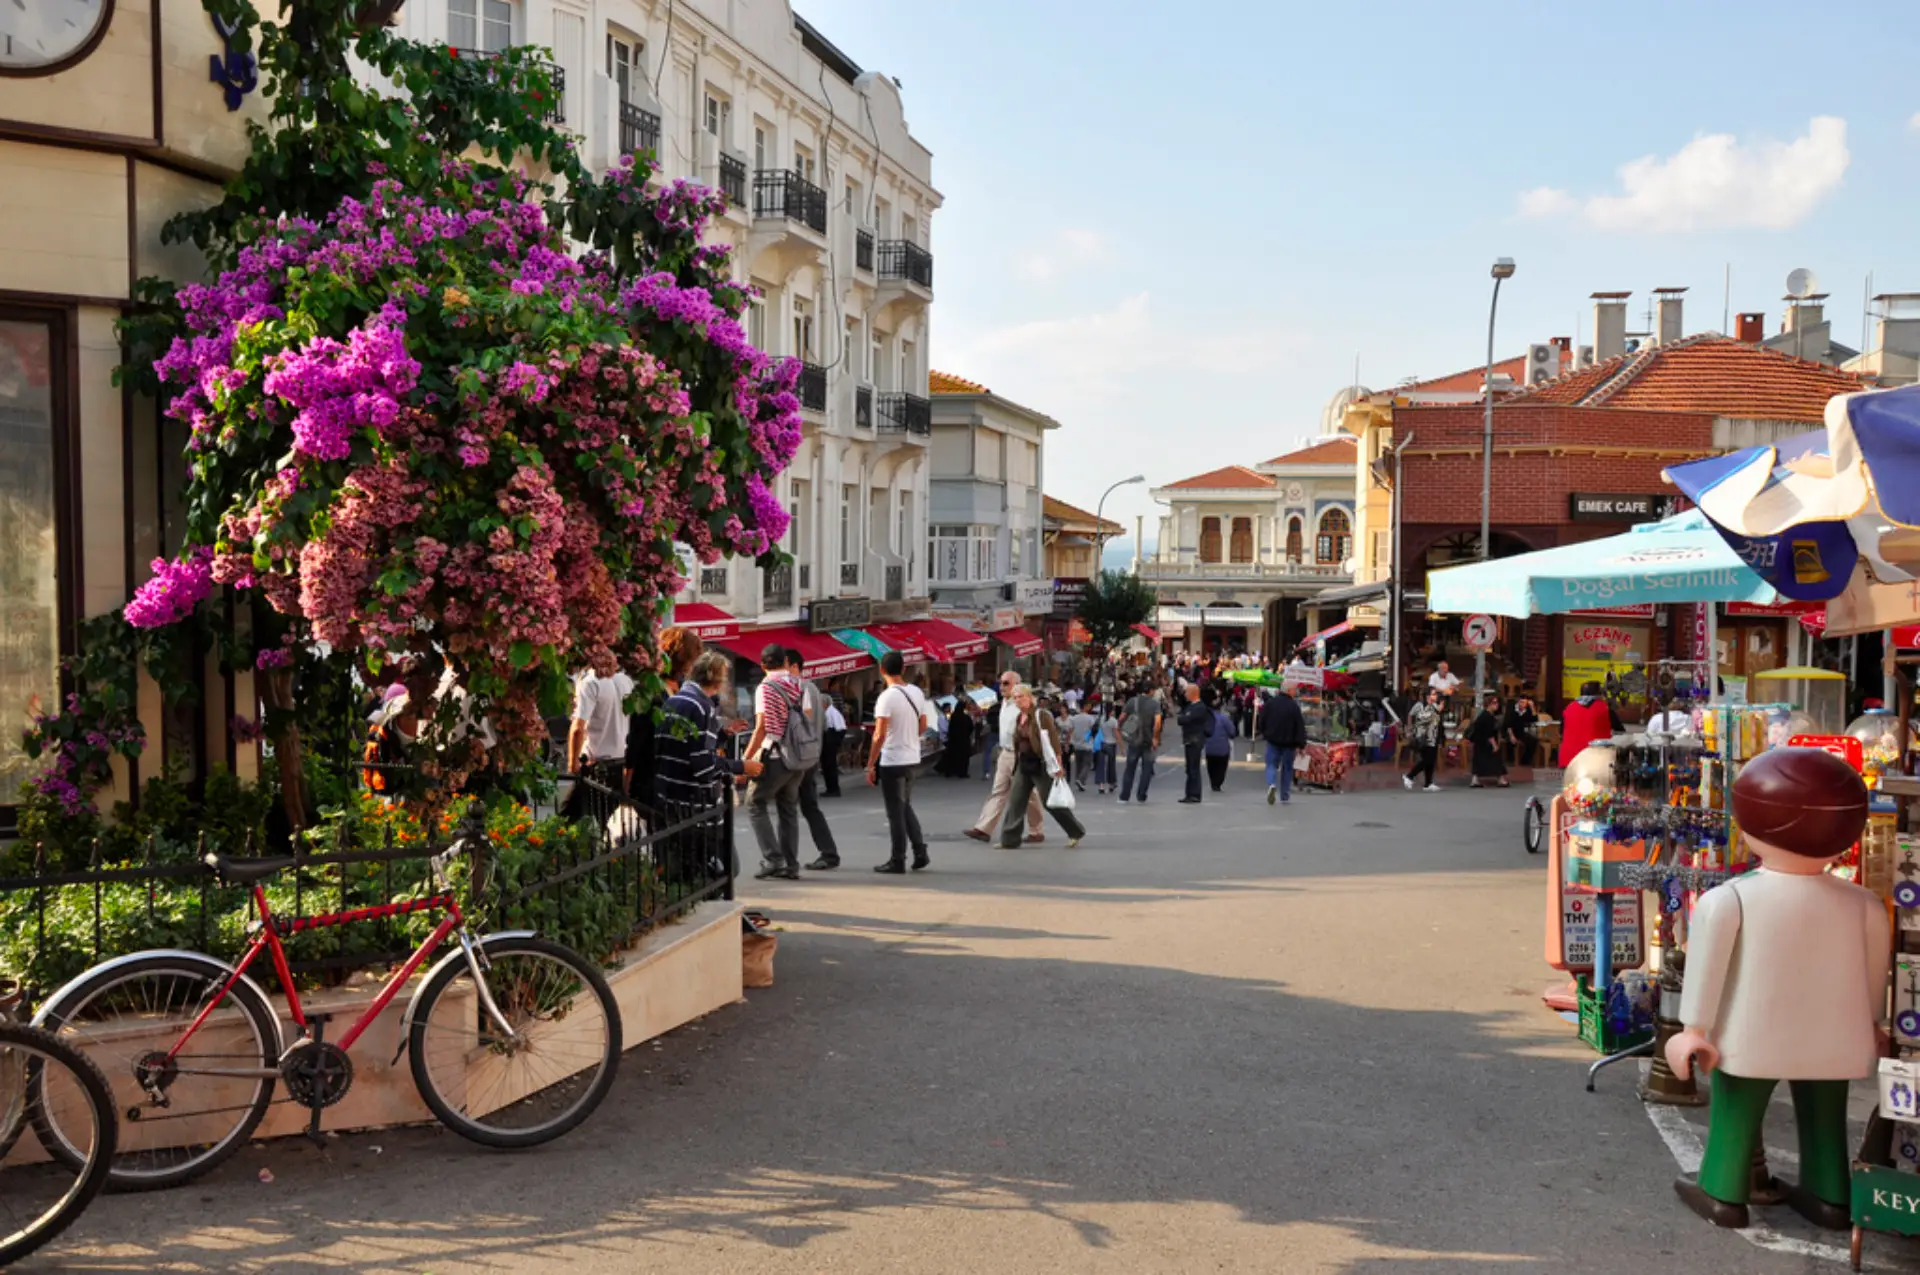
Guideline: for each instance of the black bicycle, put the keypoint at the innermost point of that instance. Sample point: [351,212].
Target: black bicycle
[44,1079]
[1536,825]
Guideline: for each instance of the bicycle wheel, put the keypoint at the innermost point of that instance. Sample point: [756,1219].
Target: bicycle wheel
[41,1195]
[546,1078]
[182,1111]
[1536,825]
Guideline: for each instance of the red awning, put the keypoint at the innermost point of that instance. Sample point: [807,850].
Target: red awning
[1147,631]
[896,638]
[1324,634]
[1020,641]
[708,622]
[944,642]
[825,656]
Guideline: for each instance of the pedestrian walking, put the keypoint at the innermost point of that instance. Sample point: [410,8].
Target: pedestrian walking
[956,759]
[813,703]
[1584,720]
[1039,767]
[786,744]
[1484,735]
[1082,727]
[1140,725]
[1284,729]
[900,717]
[1106,771]
[1423,731]
[597,736]
[1196,725]
[831,740]
[1220,747]
[987,826]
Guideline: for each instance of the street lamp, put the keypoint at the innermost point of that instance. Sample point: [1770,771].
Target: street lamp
[1502,269]
[1100,545]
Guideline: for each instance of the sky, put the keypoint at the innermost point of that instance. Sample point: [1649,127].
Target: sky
[1175,228]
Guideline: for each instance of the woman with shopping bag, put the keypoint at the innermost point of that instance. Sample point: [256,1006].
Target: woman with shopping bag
[1038,767]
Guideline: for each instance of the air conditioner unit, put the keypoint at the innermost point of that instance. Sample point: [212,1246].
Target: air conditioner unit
[1585,358]
[1543,363]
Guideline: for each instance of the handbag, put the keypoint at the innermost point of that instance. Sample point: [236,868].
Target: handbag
[1061,798]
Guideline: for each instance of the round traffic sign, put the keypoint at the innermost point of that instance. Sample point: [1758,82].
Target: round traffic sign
[1480,631]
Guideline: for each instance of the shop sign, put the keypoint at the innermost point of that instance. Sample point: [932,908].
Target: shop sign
[1034,596]
[1067,595]
[1845,747]
[1601,639]
[1700,614]
[1769,608]
[827,614]
[1480,631]
[1414,600]
[1577,914]
[1591,506]
[1077,634]
[1639,611]
[1002,618]
[971,621]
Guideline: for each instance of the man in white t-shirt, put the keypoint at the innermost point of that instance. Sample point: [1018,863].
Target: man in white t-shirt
[597,739]
[1671,721]
[900,716]
[1443,680]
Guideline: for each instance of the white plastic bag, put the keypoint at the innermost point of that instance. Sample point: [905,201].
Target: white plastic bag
[1061,798]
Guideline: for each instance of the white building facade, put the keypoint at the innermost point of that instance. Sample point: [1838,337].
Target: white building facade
[830,207]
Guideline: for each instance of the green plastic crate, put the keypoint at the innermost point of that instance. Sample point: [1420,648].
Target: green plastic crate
[1593,1024]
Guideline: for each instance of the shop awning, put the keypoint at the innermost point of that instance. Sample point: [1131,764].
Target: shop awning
[1148,632]
[824,656]
[1353,593]
[944,642]
[876,642]
[708,622]
[1345,626]
[1019,641]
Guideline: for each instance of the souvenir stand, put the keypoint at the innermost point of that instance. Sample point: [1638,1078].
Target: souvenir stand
[1332,750]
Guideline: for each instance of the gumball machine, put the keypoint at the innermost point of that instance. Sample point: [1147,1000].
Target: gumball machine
[1878,730]
[1820,694]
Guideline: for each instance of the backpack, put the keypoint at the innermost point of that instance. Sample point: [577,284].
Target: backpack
[1137,730]
[800,741]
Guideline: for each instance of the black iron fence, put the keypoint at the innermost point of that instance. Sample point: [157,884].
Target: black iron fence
[811,387]
[863,407]
[863,250]
[619,870]
[779,193]
[639,130]
[902,413]
[904,259]
[733,180]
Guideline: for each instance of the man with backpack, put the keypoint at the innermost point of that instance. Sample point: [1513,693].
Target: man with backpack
[786,743]
[1141,722]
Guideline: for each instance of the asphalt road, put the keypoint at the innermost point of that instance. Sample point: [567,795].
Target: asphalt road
[1233,1038]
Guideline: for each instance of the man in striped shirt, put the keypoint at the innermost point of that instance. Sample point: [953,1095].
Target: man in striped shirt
[779,694]
[691,770]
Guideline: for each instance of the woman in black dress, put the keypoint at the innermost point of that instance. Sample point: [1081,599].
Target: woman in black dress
[957,758]
[1485,736]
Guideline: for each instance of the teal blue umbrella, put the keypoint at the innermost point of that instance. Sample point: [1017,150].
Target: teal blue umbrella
[1680,559]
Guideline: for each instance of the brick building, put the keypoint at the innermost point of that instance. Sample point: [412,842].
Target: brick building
[1580,457]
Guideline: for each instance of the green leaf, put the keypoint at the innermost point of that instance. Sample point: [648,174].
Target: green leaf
[520,654]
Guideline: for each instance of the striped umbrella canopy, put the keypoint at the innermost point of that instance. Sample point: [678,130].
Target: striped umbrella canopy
[1810,512]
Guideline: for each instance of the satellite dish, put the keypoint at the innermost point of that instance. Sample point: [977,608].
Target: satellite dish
[1801,283]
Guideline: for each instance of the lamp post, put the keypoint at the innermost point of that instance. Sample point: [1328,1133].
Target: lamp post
[1101,508]
[1502,270]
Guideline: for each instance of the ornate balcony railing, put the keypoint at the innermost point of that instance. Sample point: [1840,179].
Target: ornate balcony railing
[1328,572]
[863,250]
[849,575]
[733,180]
[863,407]
[812,386]
[904,259]
[902,413]
[779,193]
[776,586]
[639,130]
[713,579]
[896,582]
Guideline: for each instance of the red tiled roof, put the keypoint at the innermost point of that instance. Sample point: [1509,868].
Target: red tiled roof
[1333,451]
[1705,373]
[947,383]
[1060,511]
[1232,476]
[1467,382]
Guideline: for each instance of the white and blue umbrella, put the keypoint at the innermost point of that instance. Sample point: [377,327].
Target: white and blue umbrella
[1805,511]
[1679,559]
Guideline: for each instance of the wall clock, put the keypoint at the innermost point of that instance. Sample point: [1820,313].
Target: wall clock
[41,36]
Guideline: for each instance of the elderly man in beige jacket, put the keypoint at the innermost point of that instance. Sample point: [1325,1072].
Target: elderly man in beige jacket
[987,826]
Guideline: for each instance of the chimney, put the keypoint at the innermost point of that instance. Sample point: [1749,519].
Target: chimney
[1805,313]
[1899,327]
[1667,325]
[1751,327]
[1609,324]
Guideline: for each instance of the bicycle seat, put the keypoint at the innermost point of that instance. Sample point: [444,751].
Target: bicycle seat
[246,871]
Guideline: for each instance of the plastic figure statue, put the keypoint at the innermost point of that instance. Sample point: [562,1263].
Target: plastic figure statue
[1787,972]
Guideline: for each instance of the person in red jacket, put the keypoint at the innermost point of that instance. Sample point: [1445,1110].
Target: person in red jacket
[1583,721]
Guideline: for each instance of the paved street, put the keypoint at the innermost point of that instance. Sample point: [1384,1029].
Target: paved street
[1235,1039]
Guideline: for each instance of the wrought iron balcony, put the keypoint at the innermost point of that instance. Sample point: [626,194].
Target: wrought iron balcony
[902,413]
[863,250]
[812,387]
[733,180]
[904,259]
[896,582]
[639,130]
[779,193]
[849,575]
[776,586]
[713,579]
[557,113]
[863,407]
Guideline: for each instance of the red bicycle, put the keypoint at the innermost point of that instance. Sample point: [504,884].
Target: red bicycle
[512,1039]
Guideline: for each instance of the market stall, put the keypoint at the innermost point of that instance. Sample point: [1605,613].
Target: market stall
[1325,697]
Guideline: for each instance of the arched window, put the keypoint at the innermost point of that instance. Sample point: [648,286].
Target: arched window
[1335,541]
[1241,549]
[1295,540]
[1209,540]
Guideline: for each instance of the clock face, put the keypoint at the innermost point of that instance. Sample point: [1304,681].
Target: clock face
[38,34]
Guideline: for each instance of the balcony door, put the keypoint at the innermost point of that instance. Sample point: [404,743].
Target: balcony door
[1209,540]
[623,66]
[803,329]
[1241,547]
[1296,540]
[1335,542]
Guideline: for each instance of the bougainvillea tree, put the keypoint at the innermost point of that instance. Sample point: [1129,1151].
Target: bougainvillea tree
[431,439]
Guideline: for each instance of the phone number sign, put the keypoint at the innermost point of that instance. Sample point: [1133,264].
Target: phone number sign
[1577,915]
